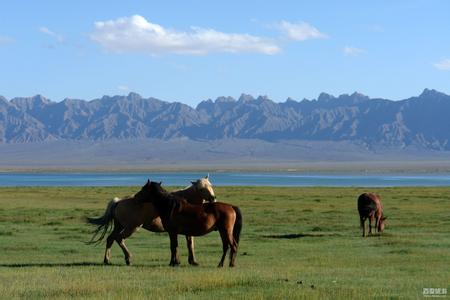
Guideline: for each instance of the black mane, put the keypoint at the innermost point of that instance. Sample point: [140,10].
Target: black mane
[165,202]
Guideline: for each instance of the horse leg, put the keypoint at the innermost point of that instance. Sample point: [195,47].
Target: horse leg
[174,260]
[125,233]
[109,241]
[363,226]
[233,247]
[370,225]
[376,224]
[190,245]
[225,244]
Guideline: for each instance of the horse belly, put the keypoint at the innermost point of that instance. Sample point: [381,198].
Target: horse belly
[154,225]
[196,226]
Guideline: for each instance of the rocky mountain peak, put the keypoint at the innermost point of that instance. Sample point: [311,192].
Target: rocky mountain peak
[324,97]
[415,121]
[133,96]
[245,98]
[431,93]
[224,99]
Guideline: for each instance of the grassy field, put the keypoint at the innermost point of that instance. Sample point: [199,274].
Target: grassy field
[296,243]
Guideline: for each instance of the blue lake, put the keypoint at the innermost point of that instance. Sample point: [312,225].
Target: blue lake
[223,179]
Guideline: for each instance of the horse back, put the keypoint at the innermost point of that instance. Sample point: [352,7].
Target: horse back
[197,220]
[369,204]
[218,208]
[210,208]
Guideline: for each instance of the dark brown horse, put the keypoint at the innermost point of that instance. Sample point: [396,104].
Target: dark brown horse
[369,207]
[129,214]
[180,217]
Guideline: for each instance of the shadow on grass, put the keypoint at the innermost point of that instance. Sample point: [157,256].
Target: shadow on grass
[81,264]
[299,235]
[73,264]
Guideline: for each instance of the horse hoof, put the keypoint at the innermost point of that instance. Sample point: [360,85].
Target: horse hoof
[128,262]
[194,263]
[106,262]
[174,263]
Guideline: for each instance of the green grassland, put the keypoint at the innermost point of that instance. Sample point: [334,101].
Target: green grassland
[296,243]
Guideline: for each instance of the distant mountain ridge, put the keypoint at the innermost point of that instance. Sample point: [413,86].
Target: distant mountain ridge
[421,121]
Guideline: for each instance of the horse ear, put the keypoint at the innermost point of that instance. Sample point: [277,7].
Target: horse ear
[207,176]
[148,181]
[160,183]
[193,182]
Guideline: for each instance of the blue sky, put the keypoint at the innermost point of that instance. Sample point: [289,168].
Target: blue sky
[189,51]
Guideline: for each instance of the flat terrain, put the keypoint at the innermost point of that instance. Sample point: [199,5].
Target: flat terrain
[296,243]
[223,154]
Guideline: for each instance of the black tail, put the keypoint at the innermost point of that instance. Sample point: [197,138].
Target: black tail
[103,223]
[237,224]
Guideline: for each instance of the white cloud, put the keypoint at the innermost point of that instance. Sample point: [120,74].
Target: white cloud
[4,40]
[123,88]
[136,34]
[353,51]
[376,28]
[443,65]
[59,38]
[300,31]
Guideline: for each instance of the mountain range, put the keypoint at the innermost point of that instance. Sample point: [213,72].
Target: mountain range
[421,121]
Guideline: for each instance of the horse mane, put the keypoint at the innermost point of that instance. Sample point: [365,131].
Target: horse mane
[189,193]
[165,201]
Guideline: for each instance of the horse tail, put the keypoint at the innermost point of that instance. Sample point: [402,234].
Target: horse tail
[237,224]
[103,223]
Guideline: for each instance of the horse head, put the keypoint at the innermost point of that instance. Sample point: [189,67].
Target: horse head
[204,187]
[148,190]
[382,224]
[153,186]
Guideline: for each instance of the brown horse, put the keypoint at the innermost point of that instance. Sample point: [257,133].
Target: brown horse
[180,217]
[369,207]
[128,214]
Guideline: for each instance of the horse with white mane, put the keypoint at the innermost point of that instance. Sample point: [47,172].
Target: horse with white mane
[126,215]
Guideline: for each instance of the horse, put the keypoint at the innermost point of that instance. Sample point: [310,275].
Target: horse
[181,217]
[369,207]
[126,215]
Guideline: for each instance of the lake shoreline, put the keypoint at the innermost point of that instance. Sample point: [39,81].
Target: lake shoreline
[331,167]
[280,179]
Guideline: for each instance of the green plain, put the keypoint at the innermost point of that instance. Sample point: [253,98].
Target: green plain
[296,243]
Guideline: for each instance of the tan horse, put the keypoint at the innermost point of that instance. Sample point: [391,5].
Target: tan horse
[129,214]
[369,207]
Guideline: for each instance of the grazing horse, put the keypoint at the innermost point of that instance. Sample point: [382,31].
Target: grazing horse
[369,207]
[181,217]
[128,214]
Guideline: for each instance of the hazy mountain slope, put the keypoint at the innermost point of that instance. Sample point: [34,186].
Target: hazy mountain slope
[420,121]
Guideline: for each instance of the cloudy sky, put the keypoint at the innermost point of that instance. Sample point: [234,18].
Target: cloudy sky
[189,51]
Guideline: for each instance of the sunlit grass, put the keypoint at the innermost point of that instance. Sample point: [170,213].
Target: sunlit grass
[296,243]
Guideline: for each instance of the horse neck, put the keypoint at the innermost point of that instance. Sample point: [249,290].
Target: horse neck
[379,207]
[190,194]
[162,203]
